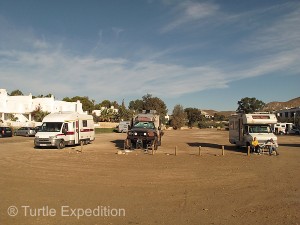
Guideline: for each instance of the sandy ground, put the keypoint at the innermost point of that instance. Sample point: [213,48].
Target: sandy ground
[99,186]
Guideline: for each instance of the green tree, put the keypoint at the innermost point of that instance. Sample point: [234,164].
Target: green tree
[149,102]
[193,115]
[38,114]
[157,104]
[12,117]
[115,104]
[108,115]
[219,117]
[124,114]
[106,103]
[87,104]
[136,105]
[16,93]
[249,105]
[179,117]
[43,96]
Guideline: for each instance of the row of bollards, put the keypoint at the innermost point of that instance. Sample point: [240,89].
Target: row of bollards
[199,153]
[176,150]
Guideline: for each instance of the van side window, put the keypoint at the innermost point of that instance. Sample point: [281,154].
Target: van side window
[84,123]
[66,127]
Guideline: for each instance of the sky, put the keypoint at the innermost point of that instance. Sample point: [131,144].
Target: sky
[198,54]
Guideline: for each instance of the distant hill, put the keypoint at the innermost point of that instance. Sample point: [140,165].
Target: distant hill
[272,106]
[269,107]
[212,112]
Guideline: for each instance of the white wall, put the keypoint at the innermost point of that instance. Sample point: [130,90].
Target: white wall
[22,106]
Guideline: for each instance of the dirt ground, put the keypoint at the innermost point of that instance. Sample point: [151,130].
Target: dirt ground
[99,186]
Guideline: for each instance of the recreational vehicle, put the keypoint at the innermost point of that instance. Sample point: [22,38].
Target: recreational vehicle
[244,127]
[65,128]
[124,126]
[145,131]
[282,128]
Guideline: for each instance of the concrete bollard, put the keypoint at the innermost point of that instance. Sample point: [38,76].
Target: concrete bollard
[81,146]
[199,150]
[223,150]
[248,150]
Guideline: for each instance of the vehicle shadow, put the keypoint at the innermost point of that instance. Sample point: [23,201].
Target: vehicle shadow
[216,146]
[119,144]
[290,145]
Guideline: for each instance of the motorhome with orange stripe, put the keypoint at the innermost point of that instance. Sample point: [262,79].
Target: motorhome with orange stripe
[65,128]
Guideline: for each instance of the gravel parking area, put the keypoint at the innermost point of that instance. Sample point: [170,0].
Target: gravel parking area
[98,186]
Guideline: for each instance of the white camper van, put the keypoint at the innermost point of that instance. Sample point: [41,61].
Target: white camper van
[65,128]
[283,128]
[244,127]
[124,126]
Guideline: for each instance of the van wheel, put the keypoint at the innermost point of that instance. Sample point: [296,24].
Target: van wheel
[61,144]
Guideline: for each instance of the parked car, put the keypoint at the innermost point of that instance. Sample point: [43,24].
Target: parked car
[5,132]
[25,131]
[294,131]
[37,128]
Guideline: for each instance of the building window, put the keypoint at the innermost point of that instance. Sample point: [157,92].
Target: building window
[286,114]
[292,114]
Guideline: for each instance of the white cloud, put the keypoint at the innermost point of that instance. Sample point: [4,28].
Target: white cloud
[42,67]
[117,31]
[282,35]
[63,74]
[189,12]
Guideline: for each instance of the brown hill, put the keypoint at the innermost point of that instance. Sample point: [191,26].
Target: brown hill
[211,112]
[272,106]
[269,107]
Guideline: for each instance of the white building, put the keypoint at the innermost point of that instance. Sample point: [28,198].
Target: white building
[288,112]
[98,112]
[205,114]
[21,107]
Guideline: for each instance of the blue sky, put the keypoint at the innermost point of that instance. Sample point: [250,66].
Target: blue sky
[202,54]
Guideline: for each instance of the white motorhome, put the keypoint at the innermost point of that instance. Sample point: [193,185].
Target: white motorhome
[244,127]
[283,128]
[65,128]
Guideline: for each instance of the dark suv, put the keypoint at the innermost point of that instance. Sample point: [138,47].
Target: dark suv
[5,132]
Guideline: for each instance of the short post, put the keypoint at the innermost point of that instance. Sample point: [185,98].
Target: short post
[81,146]
[248,150]
[223,150]
[199,150]
[152,149]
[175,150]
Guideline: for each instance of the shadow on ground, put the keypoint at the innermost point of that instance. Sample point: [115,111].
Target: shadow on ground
[119,144]
[216,146]
[290,145]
